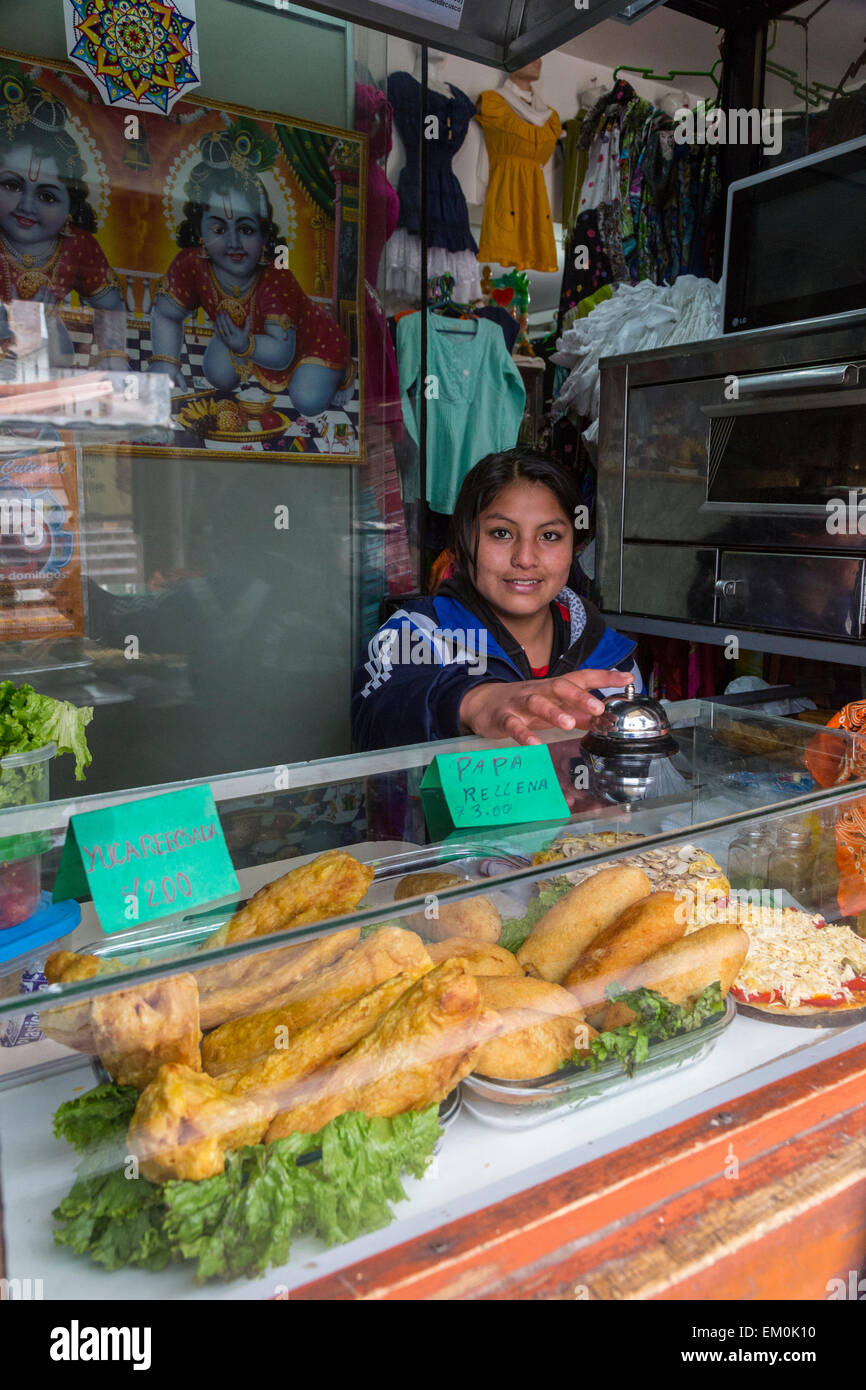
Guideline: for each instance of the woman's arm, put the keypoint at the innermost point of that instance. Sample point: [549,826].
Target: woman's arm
[515,709]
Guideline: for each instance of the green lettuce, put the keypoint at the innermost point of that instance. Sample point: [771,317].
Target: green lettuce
[29,720]
[243,1221]
[98,1117]
[657,1019]
[516,929]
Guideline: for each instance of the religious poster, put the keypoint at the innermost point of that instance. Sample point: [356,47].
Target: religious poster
[40,542]
[217,245]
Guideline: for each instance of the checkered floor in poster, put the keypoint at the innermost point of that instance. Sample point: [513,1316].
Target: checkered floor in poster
[333,431]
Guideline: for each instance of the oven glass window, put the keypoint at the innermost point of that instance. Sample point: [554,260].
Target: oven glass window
[806,456]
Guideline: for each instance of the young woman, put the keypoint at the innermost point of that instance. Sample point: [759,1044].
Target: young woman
[505,647]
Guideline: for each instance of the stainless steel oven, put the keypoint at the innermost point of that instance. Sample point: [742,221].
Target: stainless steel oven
[732,488]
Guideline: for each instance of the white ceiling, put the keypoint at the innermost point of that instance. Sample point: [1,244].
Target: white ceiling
[664,40]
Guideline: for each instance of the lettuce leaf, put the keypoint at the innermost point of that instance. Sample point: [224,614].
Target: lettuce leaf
[97,1117]
[517,929]
[657,1019]
[243,1221]
[29,720]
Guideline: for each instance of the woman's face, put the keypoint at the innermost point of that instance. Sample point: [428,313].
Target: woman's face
[525,549]
[231,233]
[34,203]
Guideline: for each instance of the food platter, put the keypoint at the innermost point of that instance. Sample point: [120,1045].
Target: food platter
[813,1018]
[524,1104]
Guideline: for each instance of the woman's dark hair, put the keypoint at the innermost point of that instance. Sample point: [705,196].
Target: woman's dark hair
[59,145]
[488,478]
[207,181]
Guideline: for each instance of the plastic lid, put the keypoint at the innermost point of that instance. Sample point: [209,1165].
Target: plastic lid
[39,930]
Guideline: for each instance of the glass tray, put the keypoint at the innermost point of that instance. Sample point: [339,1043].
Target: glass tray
[524,1104]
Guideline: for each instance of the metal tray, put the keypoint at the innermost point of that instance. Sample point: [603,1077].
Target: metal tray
[524,1104]
[823,1018]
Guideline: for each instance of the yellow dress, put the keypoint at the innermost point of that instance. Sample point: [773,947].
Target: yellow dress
[518,226]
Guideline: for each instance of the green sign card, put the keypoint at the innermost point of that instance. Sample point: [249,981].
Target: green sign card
[147,859]
[498,786]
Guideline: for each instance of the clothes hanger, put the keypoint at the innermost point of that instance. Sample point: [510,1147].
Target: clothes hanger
[667,78]
[814,94]
[440,296]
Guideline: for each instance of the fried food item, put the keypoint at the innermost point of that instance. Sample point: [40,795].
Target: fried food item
[476,917]
[238,988]
[136,1030]
[133,1031]
[331,884]
[565,931]
[384,953]
[683,970]
[271,1077]
[70,1024]
[541,1028]
[185,1122]
[481,957]
[416,1054]
[640,931]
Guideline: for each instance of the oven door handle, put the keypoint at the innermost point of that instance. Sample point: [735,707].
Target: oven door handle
[800,378]
[776,405]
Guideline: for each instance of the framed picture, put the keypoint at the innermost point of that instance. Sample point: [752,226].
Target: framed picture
[219,245]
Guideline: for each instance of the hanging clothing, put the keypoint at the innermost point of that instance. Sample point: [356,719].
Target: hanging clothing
[373,114]
[518,224]
[574,162]
[448,231]
[477,404]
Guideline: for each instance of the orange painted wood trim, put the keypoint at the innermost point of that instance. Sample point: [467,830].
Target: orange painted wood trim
[502,1239]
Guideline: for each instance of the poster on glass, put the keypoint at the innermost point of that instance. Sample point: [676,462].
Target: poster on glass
[218,245]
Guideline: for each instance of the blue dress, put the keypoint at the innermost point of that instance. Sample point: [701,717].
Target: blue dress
[447,213]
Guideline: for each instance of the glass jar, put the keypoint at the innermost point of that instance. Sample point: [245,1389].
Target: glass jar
[748,859]
[792,863]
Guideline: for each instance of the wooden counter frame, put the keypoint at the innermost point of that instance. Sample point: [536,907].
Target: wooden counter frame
[764,1199]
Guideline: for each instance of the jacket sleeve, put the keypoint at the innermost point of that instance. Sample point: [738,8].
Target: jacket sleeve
[395,704]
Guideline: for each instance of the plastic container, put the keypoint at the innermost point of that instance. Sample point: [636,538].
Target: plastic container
[24,781]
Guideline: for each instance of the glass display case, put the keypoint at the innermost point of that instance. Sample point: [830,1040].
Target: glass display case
[233,1101]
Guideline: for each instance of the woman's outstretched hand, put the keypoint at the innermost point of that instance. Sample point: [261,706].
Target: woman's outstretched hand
[513,709]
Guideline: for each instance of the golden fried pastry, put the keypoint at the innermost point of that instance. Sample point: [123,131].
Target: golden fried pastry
[136,1030]
[475,917]
[683,970]
[271,1077]
[416,1054]
[331,884]
[541,1028]
[565,931]
[640,931]
[70,1023]
[241,986]
[481,957]
[384,953]
[185,1122]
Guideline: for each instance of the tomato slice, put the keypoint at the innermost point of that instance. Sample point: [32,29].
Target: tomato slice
[823,1001]
[770,997]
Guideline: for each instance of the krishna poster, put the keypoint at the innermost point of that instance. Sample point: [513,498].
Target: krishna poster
[218,245]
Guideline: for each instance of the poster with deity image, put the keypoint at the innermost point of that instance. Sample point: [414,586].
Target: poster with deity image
[220,246]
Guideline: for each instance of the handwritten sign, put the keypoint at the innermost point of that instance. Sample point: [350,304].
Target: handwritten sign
[147,859]
[499,786]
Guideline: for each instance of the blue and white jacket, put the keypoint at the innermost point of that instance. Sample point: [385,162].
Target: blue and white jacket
[424,659]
